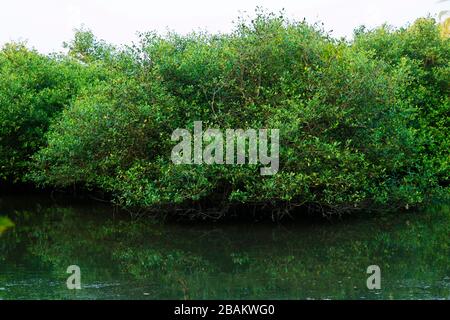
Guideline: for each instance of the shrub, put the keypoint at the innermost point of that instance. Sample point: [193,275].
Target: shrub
[33,90]
[353,134]
[421,55]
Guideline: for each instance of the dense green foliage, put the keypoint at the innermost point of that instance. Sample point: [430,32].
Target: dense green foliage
[33,90]
[362,124]
[422,57]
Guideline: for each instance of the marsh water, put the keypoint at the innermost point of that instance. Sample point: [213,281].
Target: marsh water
[124,258]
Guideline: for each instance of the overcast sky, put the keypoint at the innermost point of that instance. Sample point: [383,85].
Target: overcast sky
[45,24]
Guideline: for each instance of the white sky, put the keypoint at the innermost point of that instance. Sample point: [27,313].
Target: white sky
[45,24]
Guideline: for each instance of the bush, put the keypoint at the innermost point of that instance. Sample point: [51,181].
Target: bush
[33,90]
[421,55]
[353,133]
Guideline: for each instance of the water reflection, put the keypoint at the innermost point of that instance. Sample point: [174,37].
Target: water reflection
[124,259]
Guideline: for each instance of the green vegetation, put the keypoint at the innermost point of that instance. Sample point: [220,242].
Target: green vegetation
[363,124]
[424,64]
[33,89]
[5,224]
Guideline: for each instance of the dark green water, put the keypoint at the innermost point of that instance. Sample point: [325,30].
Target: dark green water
[122,259]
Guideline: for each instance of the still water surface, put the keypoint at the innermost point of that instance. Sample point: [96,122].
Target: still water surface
[125,259]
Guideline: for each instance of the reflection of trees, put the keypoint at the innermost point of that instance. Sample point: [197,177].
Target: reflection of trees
[241,261]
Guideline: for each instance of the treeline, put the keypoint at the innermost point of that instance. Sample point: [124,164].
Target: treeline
[363,123]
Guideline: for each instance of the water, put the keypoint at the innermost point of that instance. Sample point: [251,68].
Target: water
[121,258]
